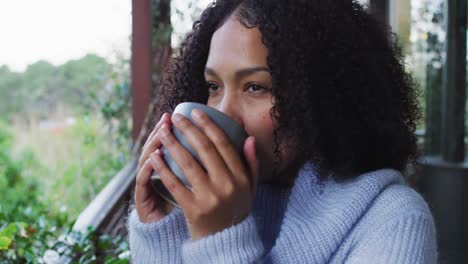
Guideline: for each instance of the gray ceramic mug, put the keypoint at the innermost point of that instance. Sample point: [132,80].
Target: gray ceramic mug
[231,128]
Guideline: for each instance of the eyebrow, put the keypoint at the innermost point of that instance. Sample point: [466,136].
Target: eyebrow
[240,73]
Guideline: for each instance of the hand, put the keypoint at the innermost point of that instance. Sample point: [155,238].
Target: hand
[222,195]
[149,205]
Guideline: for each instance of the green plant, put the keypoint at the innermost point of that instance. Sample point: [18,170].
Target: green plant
[30,227]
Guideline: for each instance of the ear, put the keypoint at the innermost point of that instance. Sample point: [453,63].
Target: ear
[252,161]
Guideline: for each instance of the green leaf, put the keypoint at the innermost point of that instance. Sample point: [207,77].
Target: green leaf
[4,242]
[10,230]
[117,261]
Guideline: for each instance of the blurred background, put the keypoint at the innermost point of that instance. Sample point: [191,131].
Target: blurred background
[78,79]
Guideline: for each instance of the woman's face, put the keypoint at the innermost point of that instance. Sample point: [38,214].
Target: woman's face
[239,85]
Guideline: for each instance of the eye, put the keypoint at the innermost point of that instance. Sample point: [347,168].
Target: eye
[212,87]
[256,88]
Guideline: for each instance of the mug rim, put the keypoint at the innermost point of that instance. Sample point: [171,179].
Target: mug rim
[204,106]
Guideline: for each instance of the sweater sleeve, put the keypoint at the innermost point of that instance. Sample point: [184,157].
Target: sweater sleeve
[237,244]
[158,242]
[409,239]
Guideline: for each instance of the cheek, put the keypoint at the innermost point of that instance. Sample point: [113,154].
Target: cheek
[261,127]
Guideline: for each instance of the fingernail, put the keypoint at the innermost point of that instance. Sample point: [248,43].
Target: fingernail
[197,114]
[154,160]
[164,131]
[177,117]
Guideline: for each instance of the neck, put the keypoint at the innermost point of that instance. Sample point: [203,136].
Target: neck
[285,177]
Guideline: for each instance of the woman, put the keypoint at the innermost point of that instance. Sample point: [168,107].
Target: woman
[331,114]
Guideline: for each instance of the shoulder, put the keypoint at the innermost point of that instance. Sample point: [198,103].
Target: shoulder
[399,201]
[377,195]
[395,200]
[397,219]
[388,194]
[395,207]
[358,217]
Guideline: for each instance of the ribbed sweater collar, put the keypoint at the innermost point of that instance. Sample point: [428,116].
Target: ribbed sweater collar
[326,211]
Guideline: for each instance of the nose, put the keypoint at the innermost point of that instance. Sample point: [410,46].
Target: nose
[231,107]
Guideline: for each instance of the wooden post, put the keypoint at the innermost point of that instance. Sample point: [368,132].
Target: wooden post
[434,72]
[380,8]
[454,83]
[141,64]
[444,178]
[432,138]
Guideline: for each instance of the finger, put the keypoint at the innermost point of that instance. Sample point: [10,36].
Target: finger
[153,146]
[156,128]
[142,192]
[206,150]
[153,143]
[189,166]
[223,145]
[252,161]
[179,192]
[164,119]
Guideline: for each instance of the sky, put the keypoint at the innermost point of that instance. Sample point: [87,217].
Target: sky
[59,30]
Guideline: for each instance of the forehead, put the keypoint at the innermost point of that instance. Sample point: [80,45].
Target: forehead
[233,43]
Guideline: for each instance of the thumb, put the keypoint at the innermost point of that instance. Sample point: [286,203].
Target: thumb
[252,161]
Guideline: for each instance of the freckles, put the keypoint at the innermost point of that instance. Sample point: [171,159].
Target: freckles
[265,124]
[260,126]
[266,120]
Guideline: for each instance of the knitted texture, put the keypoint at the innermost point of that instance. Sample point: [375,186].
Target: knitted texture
[374,218]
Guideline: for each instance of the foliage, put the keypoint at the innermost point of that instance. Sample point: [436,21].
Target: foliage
[183,13]
[428,32]
[92,159]
[30,227]
[43,87]
[427,55]
[114,104]
[45,186]
[161,24]
[42,195]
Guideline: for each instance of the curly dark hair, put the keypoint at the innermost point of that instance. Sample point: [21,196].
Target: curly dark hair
[341,91]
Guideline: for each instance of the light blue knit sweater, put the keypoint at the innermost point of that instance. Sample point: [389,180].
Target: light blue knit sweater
[374,218]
